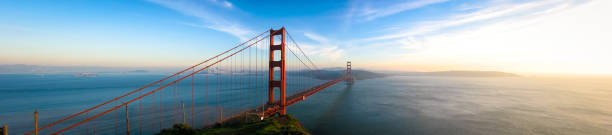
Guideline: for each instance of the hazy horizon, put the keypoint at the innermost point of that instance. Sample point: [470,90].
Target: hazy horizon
[165,70]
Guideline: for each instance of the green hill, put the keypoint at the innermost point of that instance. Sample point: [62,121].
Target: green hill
[277,125]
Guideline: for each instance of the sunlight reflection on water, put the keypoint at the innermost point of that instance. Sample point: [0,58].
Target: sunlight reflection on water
[459,105]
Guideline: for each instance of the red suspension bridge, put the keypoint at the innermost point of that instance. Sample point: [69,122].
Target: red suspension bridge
[257,76]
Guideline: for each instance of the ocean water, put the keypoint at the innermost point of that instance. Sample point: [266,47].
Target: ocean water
[389,105]
[462,105]
[58,96]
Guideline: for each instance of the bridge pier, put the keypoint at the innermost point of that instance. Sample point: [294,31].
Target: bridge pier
[272,83]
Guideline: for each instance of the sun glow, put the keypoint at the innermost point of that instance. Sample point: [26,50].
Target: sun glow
[574,41]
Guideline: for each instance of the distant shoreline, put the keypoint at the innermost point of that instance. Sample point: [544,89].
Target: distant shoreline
[458,74]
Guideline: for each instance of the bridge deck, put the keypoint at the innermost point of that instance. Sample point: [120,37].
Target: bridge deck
[272,109]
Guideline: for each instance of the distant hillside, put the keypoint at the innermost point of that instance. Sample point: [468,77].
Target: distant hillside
[138,71]
[461,74]
[333,74]
[37,69]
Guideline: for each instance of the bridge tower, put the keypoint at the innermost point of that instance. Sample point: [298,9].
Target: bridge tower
[349,74]
[272,83]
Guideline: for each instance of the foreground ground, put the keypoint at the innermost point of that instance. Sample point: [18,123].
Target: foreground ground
[285,125]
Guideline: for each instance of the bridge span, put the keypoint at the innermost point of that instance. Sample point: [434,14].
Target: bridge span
[219,88]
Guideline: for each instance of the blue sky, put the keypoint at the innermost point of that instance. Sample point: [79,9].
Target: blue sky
[547,36]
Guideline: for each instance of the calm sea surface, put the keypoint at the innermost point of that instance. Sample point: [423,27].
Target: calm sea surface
[390,105]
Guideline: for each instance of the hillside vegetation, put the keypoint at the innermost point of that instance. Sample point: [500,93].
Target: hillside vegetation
[277,125]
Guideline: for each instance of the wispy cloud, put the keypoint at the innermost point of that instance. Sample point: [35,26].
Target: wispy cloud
[228,4]
[316,37]
[324,47]
[329,52]
[222,3]
[501,12]
[371,14]
[368,11]
[540,36]
[210,20]
[479,18]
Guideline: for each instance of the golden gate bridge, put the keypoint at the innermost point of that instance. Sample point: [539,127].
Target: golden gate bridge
[242,80]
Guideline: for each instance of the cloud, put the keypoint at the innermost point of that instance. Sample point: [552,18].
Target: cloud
[316,37]
[222,3]
[323,47]
[370,11]
[228,4]
[237,30]
[551,37]
[493,13]
[330,52]
[371,14]
[208,19]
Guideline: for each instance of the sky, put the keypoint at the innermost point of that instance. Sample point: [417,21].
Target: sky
[521,36]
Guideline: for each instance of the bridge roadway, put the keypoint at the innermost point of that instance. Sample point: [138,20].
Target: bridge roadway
[272,109]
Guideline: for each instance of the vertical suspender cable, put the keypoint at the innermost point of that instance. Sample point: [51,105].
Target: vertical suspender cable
[174,104]
[192,99]
[206,98]
[161,111]
[140,116]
